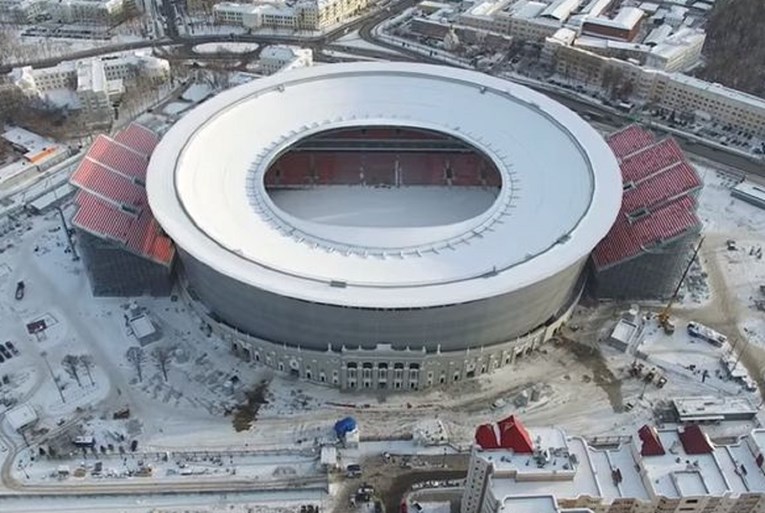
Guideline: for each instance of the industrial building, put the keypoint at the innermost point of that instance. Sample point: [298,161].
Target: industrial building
[648,247]
[124,249]
[331,291]
[514,470]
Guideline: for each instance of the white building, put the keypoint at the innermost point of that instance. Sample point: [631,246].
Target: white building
[301,15]
[282,57]
[21,11]
[668,471]
[94,83]
[101,12]
[676,52]
[524,19]
[723,104]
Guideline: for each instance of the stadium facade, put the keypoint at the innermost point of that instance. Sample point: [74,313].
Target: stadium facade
[386,305]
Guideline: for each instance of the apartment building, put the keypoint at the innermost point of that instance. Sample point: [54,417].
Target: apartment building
[96,83]
[97,12]
[658,471]
[673,91]
[21,11]
[302,15]
[526,20]
[725,105]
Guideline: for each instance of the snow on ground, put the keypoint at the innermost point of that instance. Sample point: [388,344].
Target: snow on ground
[226,47]
[189,410]
[728,218]
[384,206]
[197,92]
[175,108]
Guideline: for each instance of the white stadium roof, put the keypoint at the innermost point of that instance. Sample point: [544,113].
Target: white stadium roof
[560,195]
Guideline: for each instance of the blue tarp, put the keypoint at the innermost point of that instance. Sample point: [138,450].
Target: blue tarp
[344,426]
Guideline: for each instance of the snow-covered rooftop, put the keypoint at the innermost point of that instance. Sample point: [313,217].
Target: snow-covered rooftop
[561,187]
[689,466]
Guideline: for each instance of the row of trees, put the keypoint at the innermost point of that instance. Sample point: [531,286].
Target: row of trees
[162,356]
[74,363]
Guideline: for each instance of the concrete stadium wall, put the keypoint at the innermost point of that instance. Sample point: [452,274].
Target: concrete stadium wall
[311,325]
[382,366]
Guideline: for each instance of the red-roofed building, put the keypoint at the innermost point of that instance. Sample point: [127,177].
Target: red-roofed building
[125,251]
[648,247]
[651,443]
[509,433]
[694,440]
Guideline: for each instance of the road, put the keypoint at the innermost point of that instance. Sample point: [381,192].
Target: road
[119,502]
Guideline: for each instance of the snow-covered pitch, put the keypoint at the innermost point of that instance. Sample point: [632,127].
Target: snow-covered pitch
[478,281]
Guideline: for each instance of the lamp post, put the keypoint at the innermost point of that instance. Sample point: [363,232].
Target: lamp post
[55,382]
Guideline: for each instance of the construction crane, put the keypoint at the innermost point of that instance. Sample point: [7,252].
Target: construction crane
[664,320]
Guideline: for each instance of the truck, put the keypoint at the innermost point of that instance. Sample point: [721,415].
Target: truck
[702,332]
[20,291]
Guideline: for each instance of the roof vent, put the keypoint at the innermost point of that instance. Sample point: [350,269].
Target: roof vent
[338,284]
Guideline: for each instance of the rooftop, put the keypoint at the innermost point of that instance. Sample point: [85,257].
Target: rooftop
[690,466]
[226,220]
[704,406]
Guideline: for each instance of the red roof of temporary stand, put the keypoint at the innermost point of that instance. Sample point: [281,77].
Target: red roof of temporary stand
[694,440]
[509,433]
[651,444]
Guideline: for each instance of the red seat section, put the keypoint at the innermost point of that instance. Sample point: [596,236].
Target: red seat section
[374,168]
[422,169]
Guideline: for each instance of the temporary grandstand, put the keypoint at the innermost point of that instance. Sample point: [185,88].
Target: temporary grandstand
[649,245]
[125,251]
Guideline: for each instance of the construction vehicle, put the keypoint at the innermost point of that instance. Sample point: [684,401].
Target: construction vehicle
[664,316]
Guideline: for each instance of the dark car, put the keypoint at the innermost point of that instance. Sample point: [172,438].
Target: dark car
[5,352]
[11,347]
[1,359]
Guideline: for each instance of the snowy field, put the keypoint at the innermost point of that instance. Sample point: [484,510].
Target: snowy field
[384,206]
[743,268]
[230,47]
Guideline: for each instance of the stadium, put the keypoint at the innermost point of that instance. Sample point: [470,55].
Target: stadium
[383,225]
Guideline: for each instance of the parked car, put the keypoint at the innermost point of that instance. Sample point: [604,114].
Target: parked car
[5,352]
[20,290]
[11,347]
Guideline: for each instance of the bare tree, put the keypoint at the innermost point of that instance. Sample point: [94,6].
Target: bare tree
[137,357]
[87,363]
[162,357]
[71,364]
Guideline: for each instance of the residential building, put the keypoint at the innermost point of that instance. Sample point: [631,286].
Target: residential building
[95,93]
[278,14]
[95,83]
[724,105]
[21,11]
[282,57]
[676,52]
[670,470]
[674,91]
[98,12]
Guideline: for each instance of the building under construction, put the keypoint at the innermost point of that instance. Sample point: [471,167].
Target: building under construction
[125,251]
[652,239]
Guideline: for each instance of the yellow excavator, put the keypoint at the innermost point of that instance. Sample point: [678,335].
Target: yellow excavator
[664,316]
